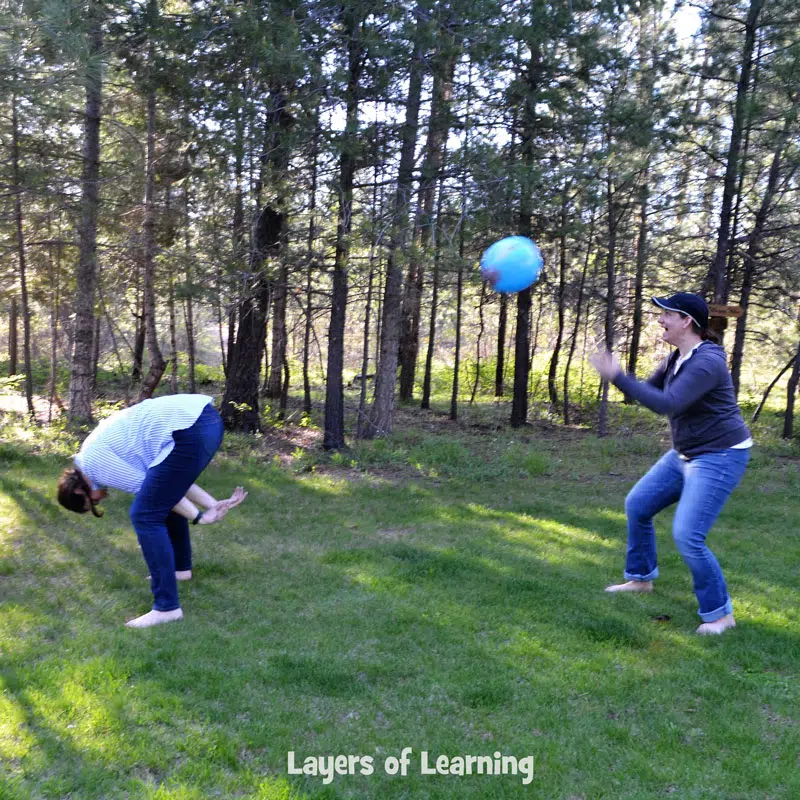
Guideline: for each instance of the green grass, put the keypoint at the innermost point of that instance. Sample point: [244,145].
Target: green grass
[440,590]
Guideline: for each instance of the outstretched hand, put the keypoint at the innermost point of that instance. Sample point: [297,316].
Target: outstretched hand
[218,511]
[606,363]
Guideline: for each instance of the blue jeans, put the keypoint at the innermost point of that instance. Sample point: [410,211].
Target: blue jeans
[700,487]
[164,535]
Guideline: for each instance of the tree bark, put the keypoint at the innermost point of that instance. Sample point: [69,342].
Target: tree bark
[240,403]
[333,435]
[80,389]
[278,353]
[362,397]
[55,306]
[425,403]
[13,342]
[577,325]
[457,354]
[139,340]
[479,339]
[500,365]
[531,79]
[754,243]
[791,394]
[717,277]
[380,419]
[638,286]
[444,68]
[157,364]
[769,388]
[21,256]
[522,343]
[309,299]
[614,218]
[552,374]
[188,306]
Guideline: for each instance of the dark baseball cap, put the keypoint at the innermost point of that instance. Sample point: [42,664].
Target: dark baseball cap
[692,305]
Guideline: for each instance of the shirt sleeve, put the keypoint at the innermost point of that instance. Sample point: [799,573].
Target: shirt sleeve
[695,379]
[107,469]
[656,378]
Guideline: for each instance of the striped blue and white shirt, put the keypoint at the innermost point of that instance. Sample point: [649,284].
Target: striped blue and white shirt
[120,450]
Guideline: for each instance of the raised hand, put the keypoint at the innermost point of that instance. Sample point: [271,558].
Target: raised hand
[606,364]
[238,496]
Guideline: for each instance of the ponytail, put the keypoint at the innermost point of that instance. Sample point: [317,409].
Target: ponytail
[706,334]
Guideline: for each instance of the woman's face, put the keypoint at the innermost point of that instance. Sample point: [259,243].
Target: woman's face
[675,326]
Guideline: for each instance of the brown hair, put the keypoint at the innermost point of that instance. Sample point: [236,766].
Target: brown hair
[706,334]
[73,490]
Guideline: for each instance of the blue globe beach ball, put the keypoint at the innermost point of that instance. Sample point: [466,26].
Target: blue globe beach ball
[512,264]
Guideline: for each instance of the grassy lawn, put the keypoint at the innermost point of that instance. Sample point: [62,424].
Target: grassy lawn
[441,590]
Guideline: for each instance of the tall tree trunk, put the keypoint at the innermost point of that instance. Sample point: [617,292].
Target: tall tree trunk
[80,389]
[13,344]
[457,354]
[309,300]
[648,35]
[577,326]
[21,258]
[278,354]
[531,78]
[173,337]
[95,352]
[333,435]
[380,419]
[765,396]
[791,394]
[377,214]
[139,341]
[239,243]
[362,398]
[732,261]
[522,364]
[478,341]
[754,243]
[157,365]
[434,310]
[614,218]
[188,303]
[718,268]
[233,320]
[240,403]
[500,364]
[641,266]
[438,129]
[55,307]
[552,375]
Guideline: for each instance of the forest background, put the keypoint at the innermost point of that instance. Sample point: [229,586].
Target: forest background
[295,194]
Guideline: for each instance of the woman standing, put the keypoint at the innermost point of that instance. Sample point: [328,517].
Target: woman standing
[154,450]
[711,448]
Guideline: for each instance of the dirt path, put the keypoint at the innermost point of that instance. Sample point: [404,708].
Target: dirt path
[17,403]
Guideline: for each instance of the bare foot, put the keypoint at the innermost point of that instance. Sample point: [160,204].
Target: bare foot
[180,575]
[717,626]
[155,618]
[631,586]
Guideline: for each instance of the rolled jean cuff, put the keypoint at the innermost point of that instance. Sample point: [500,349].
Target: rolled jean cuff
[722,611]
[632,576]
[171,608]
